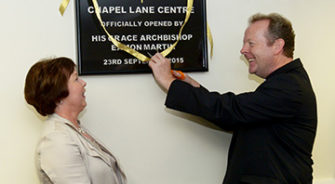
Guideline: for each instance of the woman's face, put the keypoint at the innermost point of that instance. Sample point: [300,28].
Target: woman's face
[76,98]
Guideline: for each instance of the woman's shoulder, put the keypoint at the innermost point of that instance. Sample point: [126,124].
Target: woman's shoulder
[52,125]
[57,130]
[56,138]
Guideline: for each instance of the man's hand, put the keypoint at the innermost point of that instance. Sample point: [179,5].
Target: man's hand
[161,68]
[186,78]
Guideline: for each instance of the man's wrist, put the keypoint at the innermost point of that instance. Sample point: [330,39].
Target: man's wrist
[168,83]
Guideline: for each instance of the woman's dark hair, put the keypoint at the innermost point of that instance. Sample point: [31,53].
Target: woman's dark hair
[46,83]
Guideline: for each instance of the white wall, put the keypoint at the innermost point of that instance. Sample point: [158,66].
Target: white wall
[126,112]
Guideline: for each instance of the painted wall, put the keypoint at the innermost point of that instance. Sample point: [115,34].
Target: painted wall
[126,112]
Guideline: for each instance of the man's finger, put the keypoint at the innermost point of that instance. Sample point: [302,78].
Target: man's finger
[160,56]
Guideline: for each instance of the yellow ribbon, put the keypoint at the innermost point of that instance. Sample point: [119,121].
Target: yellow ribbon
[118,44]
[131,51]
[63,6]
[210,38]
[188,14]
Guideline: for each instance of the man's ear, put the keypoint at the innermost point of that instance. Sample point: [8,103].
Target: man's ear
[278,46]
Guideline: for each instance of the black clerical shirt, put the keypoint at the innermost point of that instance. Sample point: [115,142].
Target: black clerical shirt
[273,127]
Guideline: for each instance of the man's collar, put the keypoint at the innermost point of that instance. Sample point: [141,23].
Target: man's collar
[289,66]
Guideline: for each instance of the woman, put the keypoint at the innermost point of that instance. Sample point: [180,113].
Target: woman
[66,153]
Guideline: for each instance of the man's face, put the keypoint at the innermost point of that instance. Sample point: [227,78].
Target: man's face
[256,49]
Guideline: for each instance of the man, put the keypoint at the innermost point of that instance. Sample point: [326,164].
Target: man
[273,127]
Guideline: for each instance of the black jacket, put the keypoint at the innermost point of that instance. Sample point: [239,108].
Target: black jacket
[273,127]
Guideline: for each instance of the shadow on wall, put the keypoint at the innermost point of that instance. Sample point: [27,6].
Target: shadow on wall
[214,134]
[195,119]
[38,115]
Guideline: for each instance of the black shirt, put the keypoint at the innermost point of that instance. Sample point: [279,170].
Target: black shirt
[273,127]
